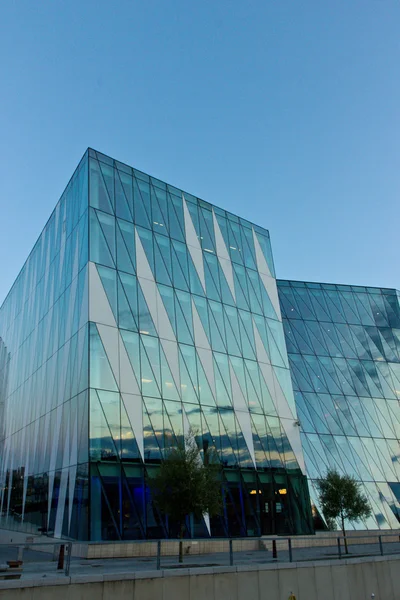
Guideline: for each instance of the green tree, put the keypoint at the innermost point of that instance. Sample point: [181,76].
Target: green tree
[341,498]
[184,486]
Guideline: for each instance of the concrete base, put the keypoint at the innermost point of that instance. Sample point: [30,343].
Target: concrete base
[352,579]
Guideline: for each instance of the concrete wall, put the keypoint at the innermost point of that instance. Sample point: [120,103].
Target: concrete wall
[353,579]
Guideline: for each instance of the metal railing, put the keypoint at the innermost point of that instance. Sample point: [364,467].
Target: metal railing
[43,558]
[58,558]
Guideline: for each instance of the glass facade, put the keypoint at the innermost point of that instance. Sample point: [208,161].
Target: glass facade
[343,344]
[185,335]
[44,377]
[142,315]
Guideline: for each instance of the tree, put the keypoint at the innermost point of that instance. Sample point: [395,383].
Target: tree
[340,497]
[185,486]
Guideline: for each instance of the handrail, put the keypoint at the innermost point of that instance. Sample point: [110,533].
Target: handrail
[333,538]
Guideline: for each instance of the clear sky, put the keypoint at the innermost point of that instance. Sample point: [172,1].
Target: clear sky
[285,112]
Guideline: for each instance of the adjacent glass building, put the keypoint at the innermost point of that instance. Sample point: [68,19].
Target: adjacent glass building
[144,314]
[344,351]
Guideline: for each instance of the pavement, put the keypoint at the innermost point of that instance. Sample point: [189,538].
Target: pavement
[38,564]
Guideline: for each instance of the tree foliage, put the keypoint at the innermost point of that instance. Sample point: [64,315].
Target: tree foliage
[185,486]
[341,498]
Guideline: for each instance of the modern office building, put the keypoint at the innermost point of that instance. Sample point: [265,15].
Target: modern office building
[344,351]
[142,315]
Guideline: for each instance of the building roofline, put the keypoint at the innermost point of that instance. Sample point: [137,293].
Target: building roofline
[342,286]
[210,204]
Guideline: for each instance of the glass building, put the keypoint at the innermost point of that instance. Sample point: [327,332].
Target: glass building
[144,314]
[344,351]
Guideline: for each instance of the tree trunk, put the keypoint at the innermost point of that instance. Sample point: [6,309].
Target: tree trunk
[181,532]
[344,535]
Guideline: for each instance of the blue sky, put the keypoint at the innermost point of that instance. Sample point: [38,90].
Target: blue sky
[283,111]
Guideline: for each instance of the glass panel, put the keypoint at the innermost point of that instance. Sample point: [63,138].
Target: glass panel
[99,250]
[101,375]
[125,247]
[99,197]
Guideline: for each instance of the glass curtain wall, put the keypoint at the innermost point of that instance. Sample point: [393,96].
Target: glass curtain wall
[144,314]
[344,350]
[185,336]
[44,377]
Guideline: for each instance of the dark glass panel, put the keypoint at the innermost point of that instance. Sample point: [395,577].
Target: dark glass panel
[334,306]
[129,284]
[141,204]
[207,237]
[317,338]
[125,251]
[146,237]
[99,249]
[176,218]
[392,310]
[109,280]
[266,248]
[254,288]
[346,340]
[99,196]
[349,307]
[159,210]
[122,207]
[212,276]
[183,310]
[101,375]
[378,310]
[319,304]
[248,248]
[304,303]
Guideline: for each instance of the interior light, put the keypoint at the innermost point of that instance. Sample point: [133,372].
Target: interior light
[282,491]
[232,247]
[146,380]
[253,492]
[144,332]
[208,250]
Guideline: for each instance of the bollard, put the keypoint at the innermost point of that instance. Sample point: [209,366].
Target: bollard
[290,550]
[339,547]
[61,557]
[68,561]
[231,552]
[274,552]
[158,555]
[380,545]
